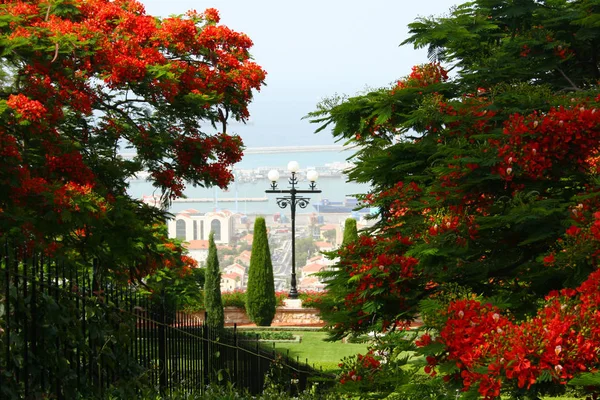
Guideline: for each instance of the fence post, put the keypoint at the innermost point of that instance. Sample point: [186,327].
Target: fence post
[162,351]
[235,357]
[205,349]
[261,381]
[7,306]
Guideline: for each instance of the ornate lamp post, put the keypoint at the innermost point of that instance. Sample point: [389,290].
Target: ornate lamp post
[293,200]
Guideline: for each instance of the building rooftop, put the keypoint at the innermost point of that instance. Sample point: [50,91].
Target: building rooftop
[323,245]
[231,275]
[197,245]
[314,267]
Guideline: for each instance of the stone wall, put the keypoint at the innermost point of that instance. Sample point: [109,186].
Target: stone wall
[284,316]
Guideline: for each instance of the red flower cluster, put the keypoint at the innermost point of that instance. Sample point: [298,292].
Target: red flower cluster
[100,73]
[423,75]
[27,109]
[377,265]
[359,368]
[539,143]
[311,298]
[399,197]
[580,242]
[491,351]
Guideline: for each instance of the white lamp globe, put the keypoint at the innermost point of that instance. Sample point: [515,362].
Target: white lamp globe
[293,166]
[312,175]
[273,175]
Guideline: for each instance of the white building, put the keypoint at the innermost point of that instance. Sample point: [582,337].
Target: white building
[189,225]
[238,269]
[198,250]
[231,282]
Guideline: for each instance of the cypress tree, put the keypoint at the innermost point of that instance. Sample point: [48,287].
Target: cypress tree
[212,287]
[260,295]
[350,231]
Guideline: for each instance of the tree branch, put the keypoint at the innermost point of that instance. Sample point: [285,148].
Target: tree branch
[573,86]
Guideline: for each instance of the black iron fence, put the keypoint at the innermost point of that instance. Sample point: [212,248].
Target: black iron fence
[64,331]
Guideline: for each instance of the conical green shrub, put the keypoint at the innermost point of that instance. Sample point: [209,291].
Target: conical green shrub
[260,295]
[212,287]
[350,231]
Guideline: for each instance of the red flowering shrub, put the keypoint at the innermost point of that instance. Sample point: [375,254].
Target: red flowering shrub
[492,352]
[423,75]
[236,298]
[487,191]
[359,368]
[311,298]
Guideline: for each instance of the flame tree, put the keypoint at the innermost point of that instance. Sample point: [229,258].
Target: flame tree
[487,184]
[83,80]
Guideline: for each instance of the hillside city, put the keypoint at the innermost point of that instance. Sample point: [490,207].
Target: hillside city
[315,235]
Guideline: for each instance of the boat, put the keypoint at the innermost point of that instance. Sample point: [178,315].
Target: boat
[347,206]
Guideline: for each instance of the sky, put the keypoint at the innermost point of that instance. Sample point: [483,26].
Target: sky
[312,50]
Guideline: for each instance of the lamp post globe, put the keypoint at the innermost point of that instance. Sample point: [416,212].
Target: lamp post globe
[273,175]
[312,175]
[293,166]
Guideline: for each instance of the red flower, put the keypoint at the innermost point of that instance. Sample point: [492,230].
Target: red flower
[549,259]
[423,341]
[573,231]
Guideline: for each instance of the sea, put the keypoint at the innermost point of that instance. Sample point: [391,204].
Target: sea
[334,188]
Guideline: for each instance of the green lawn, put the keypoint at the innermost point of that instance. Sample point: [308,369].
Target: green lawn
[327,355]
[319,352]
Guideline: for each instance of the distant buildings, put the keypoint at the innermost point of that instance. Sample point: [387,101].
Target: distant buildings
[324,246]
[189,225]
[233,277]
[193,227]
[247,239]
[244,258]
[232,230]
[308,280]
[230,282]
[198,250]
[311,269]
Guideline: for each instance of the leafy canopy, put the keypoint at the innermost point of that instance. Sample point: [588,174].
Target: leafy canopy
[84,80]
[483,165]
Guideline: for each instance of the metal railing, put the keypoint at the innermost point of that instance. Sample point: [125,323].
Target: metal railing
[64,332]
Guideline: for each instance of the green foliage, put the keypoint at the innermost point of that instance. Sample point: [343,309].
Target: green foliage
[212,287]
[389,369]
[260,296]
[331,302]
[330,235]
[350,231]
[586,379]
[512,53]
[104,338]
[483,178]
[181,287]
[305,248]
[69,190]
[237,298]
[270,335]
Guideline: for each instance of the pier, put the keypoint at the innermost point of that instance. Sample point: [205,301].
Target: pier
[222,200]
[278,150]
[296,149]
